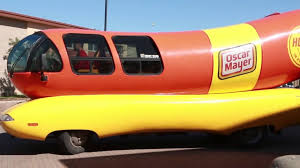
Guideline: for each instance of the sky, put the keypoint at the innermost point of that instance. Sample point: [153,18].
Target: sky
[151,15]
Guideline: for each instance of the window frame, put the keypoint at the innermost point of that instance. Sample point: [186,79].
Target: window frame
[90,59]
[140,59]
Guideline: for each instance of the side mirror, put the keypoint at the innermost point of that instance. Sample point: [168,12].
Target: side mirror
[44,78]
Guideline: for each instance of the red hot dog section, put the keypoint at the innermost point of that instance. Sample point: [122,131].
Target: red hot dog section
[256,55]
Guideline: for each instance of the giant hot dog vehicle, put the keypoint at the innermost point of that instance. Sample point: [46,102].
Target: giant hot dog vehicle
[223,81]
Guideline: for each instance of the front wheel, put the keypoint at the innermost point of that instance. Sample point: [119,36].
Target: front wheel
[73,142]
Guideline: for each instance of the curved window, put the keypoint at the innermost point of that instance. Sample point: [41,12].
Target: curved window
[18,57]
[89,54]
[138,55]
[33,54]
[45,57]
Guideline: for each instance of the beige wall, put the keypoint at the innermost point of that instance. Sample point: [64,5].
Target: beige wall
[34,27]
[9,29]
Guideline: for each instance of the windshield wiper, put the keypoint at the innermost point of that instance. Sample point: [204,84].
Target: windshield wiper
[11,72]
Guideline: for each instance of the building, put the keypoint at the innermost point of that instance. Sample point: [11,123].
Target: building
[14,25]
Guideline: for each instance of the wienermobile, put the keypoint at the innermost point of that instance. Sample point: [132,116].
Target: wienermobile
[223,81]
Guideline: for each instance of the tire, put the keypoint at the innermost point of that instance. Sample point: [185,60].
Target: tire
[249,137]
[73,142]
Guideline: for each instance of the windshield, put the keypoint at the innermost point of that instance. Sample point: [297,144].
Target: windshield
[17,59]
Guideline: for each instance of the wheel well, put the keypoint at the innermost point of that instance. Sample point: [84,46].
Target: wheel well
[54,134]
[268,128]
[271,128]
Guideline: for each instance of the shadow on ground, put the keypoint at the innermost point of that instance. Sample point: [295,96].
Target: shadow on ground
[192,150]
[194,158]
[14,146]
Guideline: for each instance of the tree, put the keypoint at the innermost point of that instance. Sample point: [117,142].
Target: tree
[6,86]
[11,43]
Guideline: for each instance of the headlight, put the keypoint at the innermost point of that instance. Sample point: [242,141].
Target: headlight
[6,117]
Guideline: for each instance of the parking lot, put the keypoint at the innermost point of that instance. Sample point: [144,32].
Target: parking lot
[149,150]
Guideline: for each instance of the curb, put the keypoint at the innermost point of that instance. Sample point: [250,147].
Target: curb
[288,161]
[4,105]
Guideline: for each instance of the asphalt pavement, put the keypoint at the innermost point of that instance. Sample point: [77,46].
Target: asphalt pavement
[186,150]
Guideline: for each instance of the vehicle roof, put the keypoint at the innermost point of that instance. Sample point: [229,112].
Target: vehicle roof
[91,31]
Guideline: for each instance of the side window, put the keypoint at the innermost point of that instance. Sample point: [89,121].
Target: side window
[89,54]
[138,55]
[45,57]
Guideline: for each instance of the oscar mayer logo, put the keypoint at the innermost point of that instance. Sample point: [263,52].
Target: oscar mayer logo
[237,61]
[294,46]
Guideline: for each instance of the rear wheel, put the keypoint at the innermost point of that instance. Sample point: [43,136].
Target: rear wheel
[74,142]
[249,137]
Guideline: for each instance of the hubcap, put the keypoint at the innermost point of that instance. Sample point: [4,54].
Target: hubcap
[78,138]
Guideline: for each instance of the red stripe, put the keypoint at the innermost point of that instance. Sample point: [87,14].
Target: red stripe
[277,67]
[33,124]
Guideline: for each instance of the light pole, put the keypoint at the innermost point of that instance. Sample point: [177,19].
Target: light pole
[105,16]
